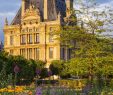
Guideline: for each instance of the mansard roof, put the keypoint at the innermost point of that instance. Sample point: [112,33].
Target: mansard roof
[54,7]
[17,18]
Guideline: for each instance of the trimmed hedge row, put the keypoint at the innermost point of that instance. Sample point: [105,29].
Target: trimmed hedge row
[73,83]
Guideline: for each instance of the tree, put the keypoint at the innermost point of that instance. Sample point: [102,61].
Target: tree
[86,40]
[3,58]
[56,67]
[78,67]
[27,68]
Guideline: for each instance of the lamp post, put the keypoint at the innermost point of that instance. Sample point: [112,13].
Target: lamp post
[37,75]
[16,71]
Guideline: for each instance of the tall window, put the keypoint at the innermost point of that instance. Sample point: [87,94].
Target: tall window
[50,37]
[23,39]
[22,52]
[62,52]
[11,52]
[51,51]
[29,53]
[11,40]
[51,34]
[37,38]
[36,53]
[30,38]
[5,40]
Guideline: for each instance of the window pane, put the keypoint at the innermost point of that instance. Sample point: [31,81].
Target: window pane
[22,52]
[23,39]
[52,29]
[11,40]
[30,53]
[11,52]
[51,52]
[37,38]
[37,53]
[30,38]
[50,37]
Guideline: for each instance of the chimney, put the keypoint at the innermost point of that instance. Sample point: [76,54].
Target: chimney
[23,8]
[45,9]
[69,7]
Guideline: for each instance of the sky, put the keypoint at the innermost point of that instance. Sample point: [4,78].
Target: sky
[8,8]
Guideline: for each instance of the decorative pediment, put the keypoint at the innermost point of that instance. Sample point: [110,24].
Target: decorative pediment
[32,12]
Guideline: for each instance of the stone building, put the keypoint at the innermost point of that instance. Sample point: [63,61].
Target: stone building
[30,33]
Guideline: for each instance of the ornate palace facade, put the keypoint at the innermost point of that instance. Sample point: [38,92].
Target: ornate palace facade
[30,33]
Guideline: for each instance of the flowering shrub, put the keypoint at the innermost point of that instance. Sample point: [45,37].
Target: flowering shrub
[11,89]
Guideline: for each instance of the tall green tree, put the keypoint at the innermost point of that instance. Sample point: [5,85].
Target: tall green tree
[82,33]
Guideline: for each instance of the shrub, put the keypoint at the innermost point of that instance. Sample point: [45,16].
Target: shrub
[56,67]
[44,73]
[73,83]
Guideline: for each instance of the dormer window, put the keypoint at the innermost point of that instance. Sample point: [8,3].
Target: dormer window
[30,30]
[37,30]
[30,23]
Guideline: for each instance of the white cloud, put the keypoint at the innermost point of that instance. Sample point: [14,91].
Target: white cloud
[8,8]
[7,14]
[102,7]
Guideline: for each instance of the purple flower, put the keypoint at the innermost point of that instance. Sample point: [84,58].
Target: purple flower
[38,91]
[16,69]
[49,73]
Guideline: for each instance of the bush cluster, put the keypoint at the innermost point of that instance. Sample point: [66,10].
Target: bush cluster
[26,68]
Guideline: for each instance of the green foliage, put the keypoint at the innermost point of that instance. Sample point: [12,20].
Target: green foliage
[27,67]
[5,79]
[40,64]
[56,67]
[44,73]
[65,71]
[74,83]
[91,51]
[78,67]
[3,76]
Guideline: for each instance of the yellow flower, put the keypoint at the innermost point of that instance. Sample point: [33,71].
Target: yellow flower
[10,90]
